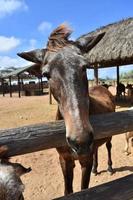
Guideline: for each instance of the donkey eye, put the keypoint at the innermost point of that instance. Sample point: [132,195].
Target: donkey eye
[84,67]
[47,75]
[46,71]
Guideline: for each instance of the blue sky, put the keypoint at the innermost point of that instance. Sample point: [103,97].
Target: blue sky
[26,24]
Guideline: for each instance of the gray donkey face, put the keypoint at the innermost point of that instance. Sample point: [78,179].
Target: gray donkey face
[11,186]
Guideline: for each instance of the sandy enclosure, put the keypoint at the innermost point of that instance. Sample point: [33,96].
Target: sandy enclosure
[45,182]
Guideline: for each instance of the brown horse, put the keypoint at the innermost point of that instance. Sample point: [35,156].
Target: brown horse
[64,64]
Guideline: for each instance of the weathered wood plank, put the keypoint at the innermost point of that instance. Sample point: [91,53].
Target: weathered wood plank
[33,138]
[120,189]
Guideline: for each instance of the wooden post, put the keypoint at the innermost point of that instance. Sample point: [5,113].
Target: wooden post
[118,77]
[41,85]
[19,86]
[22,84]
[96,75]
[50,96]
[3,87]
[10,84]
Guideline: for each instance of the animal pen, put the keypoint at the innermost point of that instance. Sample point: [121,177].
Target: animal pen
[20,74]
[33,138]
[115,48]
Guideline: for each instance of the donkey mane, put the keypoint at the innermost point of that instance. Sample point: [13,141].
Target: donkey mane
[59,38]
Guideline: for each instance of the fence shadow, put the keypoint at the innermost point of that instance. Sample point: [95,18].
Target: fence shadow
[118,169]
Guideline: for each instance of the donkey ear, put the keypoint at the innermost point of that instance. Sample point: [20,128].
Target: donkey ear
[19,169]
[35,56]
[86,43]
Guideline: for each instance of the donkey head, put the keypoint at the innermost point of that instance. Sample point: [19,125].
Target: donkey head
[11,186]
[64,65]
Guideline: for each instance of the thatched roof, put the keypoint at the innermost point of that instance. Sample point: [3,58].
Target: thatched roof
[33,69]
[115,48]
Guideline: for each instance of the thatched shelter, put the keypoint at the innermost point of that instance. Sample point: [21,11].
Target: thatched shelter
[115,48]
[19,74]
[33,70]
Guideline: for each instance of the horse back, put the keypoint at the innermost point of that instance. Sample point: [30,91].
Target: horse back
[101,100]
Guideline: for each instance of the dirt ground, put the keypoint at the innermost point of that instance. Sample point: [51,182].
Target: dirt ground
[45,182]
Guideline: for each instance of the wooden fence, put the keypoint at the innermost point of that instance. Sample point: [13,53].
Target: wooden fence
[120,189]
[33,138]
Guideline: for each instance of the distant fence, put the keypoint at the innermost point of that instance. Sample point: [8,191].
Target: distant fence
[23,87]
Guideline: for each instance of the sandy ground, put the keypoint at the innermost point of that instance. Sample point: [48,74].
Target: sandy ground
[45,182]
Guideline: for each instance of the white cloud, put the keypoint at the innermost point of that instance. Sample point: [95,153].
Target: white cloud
[10,6]
[33,44]
[8,43]
[44,27]
[6,61]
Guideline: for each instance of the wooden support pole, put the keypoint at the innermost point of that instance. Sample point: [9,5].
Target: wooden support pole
[3,87]
[19,86]
[22,84]
[118,75]
[33,138]
[50,96]
[10,85]
[41,85]
[96,75]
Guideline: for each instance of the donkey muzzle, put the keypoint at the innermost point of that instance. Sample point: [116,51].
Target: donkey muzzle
[81,148]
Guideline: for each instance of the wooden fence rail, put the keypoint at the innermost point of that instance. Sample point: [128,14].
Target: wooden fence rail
[120,189]
[33,138]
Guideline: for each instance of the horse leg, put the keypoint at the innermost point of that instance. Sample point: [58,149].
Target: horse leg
[132,142]
[95,162]
[66,162]
[67,165]
[109,146]
[127,149]
[86,167]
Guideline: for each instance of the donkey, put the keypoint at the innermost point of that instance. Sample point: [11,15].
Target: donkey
[64,64]
[128,143]
[121,90]
[11,186]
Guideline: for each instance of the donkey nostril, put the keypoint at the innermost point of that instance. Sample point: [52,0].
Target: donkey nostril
[73,144]
[70,141]
[81,147]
